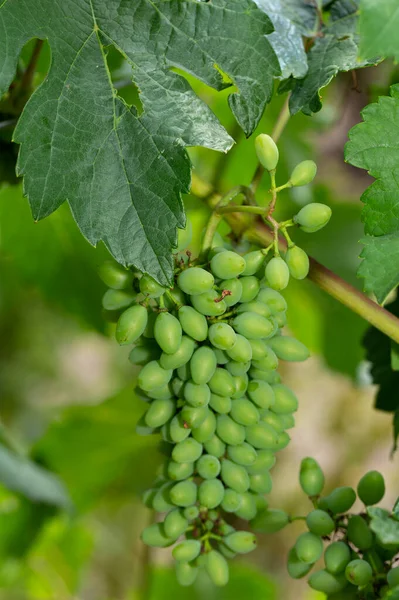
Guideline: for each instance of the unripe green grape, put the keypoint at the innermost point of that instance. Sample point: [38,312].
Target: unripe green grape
[270,377]
[288,348]
[264,461]
[295,567]
[341,499]
[208,466]
[194,281]
[266,151]
[191,512]
[326,582]
[241,542]
[319,522]
[184,236]
[250,288]
[270,520]
[162,392]
[238,369]
[358,572]
[371,488]
[193,323]
[229,431]
[313,217]
[227,265]
[221,356]
[253,326]
[277,273]
[285,400]
[303,173]
[162,501]
[255,307]
[242,454]
[175,524]
[222,336]
[259,349]
[283,439]
[241,385]
[209,304]
[154,536]
[234,286]
[179,471]
[215,446]
[217,568]
[268,416]
[159,412]
[144,353]
[273,299]
[359,533]
[220,404]
[193,416]
[288,421]
[311,477]
[234,476]
[167,332]
[297,261]
[241,351]
[197,395]
[231,500]
[261,483]
[188,450]
[186,573]
[269,360]
[183,493]
[247,509]
[149,329]
[393,577]
[244,412]
[205,431]
[309,547]
[114,275]
[261,393]
[177,386]
[151,288]
[210,493]
[222,383]
[152,376]
[148,497]
[281,319]
[117,299]
[261,436]
[336,557]
[184,372]
[131,324]
[186,551]
[253,262]
[180,357]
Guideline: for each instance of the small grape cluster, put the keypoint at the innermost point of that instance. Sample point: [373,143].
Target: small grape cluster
[358,565]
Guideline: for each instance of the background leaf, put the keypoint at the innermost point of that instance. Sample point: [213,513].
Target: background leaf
[379,22]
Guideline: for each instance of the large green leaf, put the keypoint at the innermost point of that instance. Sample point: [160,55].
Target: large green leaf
[123,173]
[379,24]
[374,146]
[385,528]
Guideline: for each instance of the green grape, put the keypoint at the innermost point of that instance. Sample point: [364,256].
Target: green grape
[175,524]
[248,508]
[114,275]
[264,461]
[221,383]
[277,273]
[149,330]
[175,298]
[205,431]
[152,376]
[220,404]
[341,499]
[184,236]
[319,522]
[309,547]
[229,431]
[234,476]
[241,385]
[244,412]
[250,288]
[183,493]
[285,400]
[191,513]
[178,471]
[283,439]
[217,568]
[303,173]
[281,319]
[151,288]
[167,332]
[161,501]
[241,542]
[336,557]
[253,326]
[227,265]
[271,377]
[162,392]
[359,533]
[144,353]
[311,477]
[371,488]
[259,349]
[180,357]
[295,567]
[195,281]
[393,577]
[208,466]
[221,357]
[148,497]
[260,483]
[154,536]
[209,304]
[210,493]
[184,372]
[231,500]
[358,572]
[288,421]
[188,450]
[238,369]
[193,416]
[193,323]
[241,351]
[266,151]
[288,348]
[268,416]
[297,261]
[273,299]
[177,386]
[253,262]
[326,582]
[261,393]
[186,573]
[186,551]
[234,286]
[261,436]
[159,412]
[270,520]
[215,446]
[117,299]
[222,336]
[242,454]
[269,360]
[313,217]
[255,307]
[131,324]
[197,395]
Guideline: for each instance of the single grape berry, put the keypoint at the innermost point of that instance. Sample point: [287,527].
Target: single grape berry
[167,332]
[311,477]
[393,577]
[187,550]
[371,488]
[193,323]
[131,324]
[359,533]
[226,265]
[309,547]
[358,572]
[336,557]
[341,499]
[186,573]
[270,521]
[253,262]
[288,348]
[241,542]
[217,568]
[266,151]
[303,173]
[298,262]
[313,217]
[297,568]
[319,522]
[114,275]
[195,281]
[277,273]
[118,299]
[326,582]
[151,288]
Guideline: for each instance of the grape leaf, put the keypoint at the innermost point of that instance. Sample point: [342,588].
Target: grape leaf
[123,172]
[378,25]
[385,528]
[373,145]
